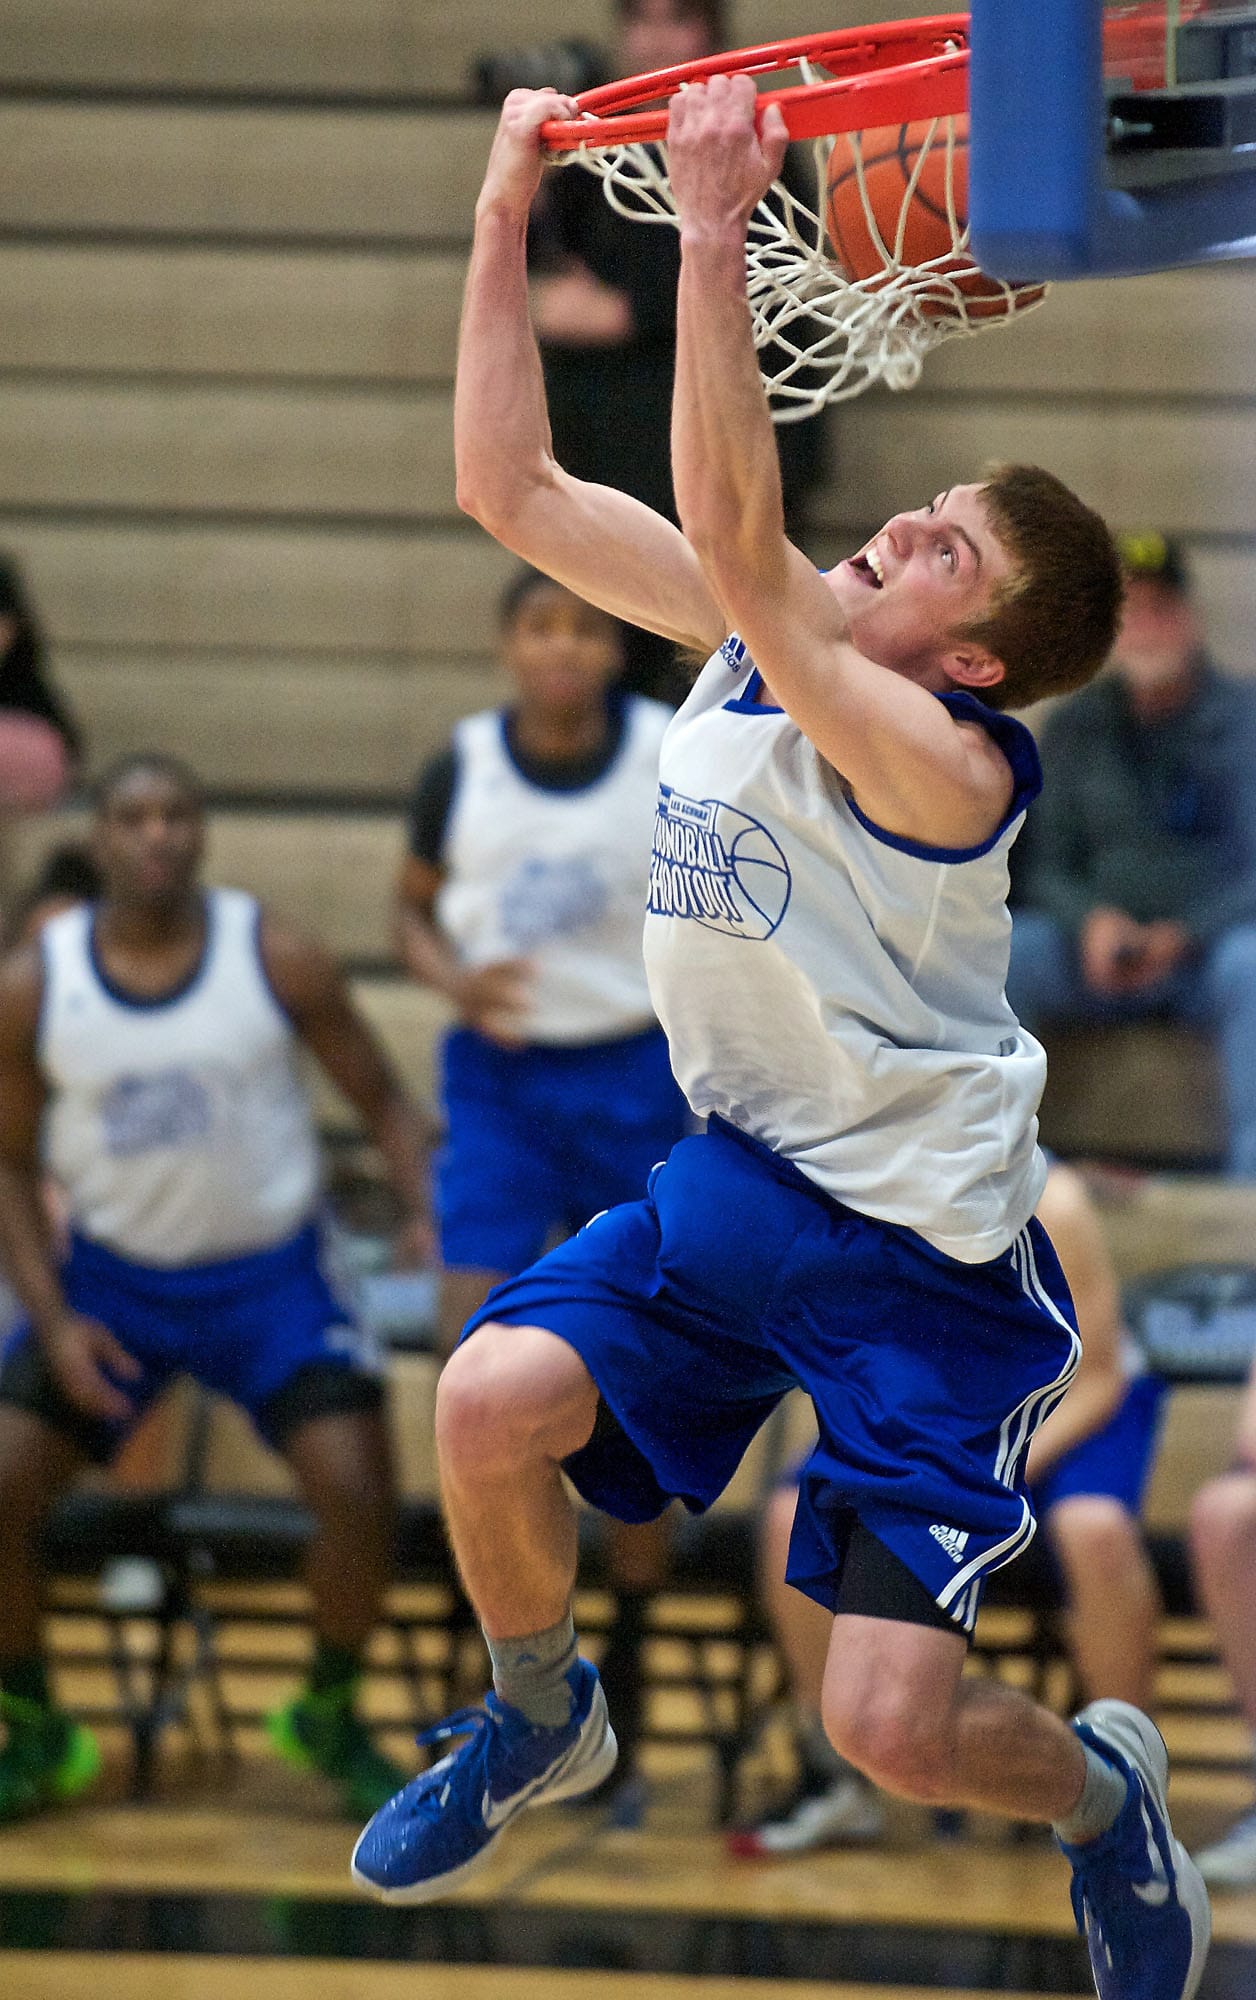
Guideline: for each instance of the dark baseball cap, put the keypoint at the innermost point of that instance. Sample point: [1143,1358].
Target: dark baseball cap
[1154,558]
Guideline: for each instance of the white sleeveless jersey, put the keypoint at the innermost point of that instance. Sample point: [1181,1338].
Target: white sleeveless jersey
[833,990]
[178,1128]
[556,877]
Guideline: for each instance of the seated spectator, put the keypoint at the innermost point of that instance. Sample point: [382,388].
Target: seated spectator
[1223,1545]
[1137,890]
[604,308]
[150,1041]
[1088,1470]
[39,744]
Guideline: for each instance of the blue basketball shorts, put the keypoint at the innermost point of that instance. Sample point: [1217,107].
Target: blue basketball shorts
[735,1280]
[539,1139]
[1115,1461]
[246,1327]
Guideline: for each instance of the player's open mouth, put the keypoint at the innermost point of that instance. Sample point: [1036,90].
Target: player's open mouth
[867,568]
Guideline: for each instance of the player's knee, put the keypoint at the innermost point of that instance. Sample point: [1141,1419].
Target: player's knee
[1097,1537]
[502,1400]
[885,1735]
[1223,1519]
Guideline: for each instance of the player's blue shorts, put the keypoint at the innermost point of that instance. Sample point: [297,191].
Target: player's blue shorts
[1115,1461]
[539,1139]
[246,1327]
[736,1279]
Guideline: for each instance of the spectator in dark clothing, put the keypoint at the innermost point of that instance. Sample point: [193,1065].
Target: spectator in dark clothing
[39,744]
[1138,890]
[604,306]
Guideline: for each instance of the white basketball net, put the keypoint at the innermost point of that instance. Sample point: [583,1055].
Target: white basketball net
[822,336]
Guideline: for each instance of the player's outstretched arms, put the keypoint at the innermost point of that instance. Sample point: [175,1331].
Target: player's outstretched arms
[604,545]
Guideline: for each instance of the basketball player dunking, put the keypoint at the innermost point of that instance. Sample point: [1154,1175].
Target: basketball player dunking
[838,796]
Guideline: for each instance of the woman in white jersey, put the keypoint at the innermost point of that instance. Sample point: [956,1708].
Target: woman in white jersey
[827,944]
[149,1043]
[520,900]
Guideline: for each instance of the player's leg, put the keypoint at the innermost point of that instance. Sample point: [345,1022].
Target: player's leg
[513,1403]
[897,1703]
[1112,1595]
[911,1497]
[1223,1549]
[337,1443]
[46,1755]
[612,1321]
[268,1331]
[1089,1504]
[618,1114]
[830,1803]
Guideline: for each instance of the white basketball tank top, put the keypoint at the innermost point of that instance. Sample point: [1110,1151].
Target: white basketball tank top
[556,877]
[178,1128]
[835,991]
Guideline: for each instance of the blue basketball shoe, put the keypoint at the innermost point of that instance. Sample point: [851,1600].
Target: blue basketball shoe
[443,1823]
[1139,1899]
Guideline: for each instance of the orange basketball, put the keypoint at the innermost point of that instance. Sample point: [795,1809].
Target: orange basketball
[889,156]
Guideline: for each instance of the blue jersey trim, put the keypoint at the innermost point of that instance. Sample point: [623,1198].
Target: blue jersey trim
[747,702]
[143,1003]
[1017,745]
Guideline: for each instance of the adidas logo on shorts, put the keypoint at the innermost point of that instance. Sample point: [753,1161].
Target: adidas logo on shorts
[953,1540]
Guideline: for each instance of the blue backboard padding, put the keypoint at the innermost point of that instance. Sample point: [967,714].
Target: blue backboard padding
[1038,203]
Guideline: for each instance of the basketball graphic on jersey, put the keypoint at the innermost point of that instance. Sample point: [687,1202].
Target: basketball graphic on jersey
[717,866]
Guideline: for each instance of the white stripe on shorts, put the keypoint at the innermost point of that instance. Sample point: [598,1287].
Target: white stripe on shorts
[1015,1434]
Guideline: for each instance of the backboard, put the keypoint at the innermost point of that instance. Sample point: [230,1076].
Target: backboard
[1109,139]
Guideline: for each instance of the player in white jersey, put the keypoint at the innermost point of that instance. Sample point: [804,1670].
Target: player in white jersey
[520,900]
[827,945]
[148,1060]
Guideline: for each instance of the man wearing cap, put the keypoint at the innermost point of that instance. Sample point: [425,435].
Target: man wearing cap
[1138,890]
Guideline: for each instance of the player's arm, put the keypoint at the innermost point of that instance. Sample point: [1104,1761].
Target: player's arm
[604,545]
[494,998]
[912,768]
[78,1350]
[312,992]
[1068,1215]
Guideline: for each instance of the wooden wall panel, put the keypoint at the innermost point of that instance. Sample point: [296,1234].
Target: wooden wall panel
[349,724]
[91,168]
[1174,334]
[376,45]
[1190,469]
[165,311]
[297,450]
[252,589]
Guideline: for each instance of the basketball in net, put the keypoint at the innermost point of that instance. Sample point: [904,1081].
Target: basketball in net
[860,284]
[898,199]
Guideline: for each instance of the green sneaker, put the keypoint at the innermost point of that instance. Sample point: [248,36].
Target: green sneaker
[324,1732]
[46,1757]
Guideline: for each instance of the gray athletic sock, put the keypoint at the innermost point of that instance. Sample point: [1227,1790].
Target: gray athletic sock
[530,1673]
[1103,1795]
